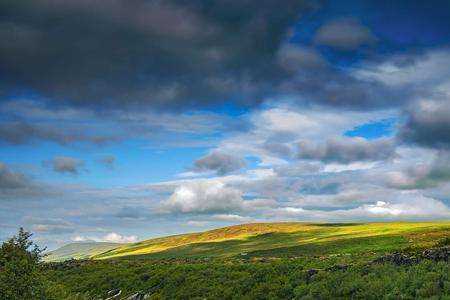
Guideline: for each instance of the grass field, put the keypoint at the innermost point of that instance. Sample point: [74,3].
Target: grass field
[288,240]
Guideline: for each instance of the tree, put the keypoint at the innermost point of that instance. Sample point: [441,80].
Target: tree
[21,274]
[19,268]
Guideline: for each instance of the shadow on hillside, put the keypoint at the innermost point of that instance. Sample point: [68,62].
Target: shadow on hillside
[281,245]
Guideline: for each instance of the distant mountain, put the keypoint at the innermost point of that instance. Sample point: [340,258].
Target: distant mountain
[289,240]
[80,250]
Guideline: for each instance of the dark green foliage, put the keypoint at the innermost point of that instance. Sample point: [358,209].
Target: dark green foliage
[21,275]
[274,279]
[19,269]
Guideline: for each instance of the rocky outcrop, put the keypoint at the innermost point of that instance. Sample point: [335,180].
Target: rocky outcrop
[436,254]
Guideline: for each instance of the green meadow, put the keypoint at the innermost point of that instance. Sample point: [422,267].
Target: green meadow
[289,240]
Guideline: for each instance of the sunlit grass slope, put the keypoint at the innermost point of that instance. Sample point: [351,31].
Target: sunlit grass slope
[79,251]
[289,239]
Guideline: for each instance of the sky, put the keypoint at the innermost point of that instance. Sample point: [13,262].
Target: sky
[126,120]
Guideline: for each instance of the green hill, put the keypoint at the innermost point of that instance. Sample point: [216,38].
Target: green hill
[289,240]
[272,261]
[79,251]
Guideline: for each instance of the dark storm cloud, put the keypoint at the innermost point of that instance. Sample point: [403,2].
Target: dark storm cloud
[330,87]
[167,54]
[347,150]
[294,58]
[10,179]
[344,34]
[219,162]
[64,164]
[17,133]
[428,124]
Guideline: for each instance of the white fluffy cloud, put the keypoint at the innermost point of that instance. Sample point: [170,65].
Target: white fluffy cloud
[108,238]
[203,196]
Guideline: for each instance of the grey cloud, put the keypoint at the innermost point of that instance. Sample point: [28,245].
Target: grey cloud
[347,150]
[17,186]
[10,179]
[278,148]
[333,88]
[344,34]
[53,226]
[280,144]
[129,212]
[18,133]
[294,58]
[64,164]
[320,83]
[421,175]
[428,124]
[297,171]
[168,54]
[219,162]
[107,161]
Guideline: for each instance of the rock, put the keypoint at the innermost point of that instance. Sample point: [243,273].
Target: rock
[437,254]
[312,272]
[114,293]
[139,296]
[396,259]
[337,268]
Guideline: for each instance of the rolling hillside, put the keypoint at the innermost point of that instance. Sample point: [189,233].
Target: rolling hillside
[289,240]
[79,251]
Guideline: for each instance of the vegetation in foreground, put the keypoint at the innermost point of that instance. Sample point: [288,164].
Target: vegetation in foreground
[22,276]
[348,267]
[277,279]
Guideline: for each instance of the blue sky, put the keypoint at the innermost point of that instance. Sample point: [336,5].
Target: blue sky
[167,118]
